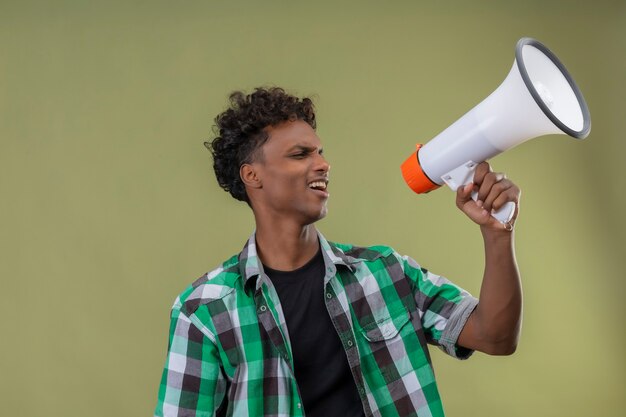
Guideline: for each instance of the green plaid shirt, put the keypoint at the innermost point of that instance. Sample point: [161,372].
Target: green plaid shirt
[229,352]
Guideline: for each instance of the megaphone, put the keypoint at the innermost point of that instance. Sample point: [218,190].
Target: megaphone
[538,97]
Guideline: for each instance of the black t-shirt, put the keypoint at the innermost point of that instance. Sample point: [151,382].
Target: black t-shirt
[321,366]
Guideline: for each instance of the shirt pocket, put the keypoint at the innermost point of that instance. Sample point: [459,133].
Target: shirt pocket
[386,327]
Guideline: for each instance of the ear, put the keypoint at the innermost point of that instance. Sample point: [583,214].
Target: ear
[249,176]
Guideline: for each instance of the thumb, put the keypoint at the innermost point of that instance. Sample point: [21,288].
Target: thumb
[473,209]
[464,194]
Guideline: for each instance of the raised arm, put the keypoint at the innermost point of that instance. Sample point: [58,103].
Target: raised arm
[494,326]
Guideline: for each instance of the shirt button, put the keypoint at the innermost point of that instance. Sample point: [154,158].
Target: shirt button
[350,343]
[361,391]
[263,308]
[299,405]
[329,295]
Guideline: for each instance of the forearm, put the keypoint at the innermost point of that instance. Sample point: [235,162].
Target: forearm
[498,316]
[494,326]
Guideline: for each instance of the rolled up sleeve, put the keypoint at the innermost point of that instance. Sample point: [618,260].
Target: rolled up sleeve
[443,306]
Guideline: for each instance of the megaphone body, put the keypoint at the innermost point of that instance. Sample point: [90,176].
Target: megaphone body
[538,97]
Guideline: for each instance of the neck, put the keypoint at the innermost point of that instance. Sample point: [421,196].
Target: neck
[286,247]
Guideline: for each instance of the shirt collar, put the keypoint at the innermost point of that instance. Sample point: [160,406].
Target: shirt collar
[250,266]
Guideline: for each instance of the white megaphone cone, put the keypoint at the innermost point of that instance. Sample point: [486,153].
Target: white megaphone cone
[537,98]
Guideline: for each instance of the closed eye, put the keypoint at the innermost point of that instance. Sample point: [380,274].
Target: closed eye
[304,151]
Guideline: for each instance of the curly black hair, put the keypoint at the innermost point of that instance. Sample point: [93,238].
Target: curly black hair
[240,131]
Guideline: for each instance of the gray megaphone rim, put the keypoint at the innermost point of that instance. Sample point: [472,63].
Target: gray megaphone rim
[578,134]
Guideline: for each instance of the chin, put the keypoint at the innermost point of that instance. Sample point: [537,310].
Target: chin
[323,212]
[318,215]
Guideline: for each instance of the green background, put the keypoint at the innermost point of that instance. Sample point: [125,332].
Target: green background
[109,207]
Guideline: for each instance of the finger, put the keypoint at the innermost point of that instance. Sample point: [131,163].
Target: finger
[475,211]
[495,191]
[489,181]
[511,194]
[482,169]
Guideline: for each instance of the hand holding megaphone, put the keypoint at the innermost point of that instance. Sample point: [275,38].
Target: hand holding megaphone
[488,190]
[537,98]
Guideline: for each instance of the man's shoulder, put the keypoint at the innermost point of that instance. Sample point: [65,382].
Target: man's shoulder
[211,286]
[363,253]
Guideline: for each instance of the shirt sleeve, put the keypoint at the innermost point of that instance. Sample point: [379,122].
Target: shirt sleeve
[192,384]
[443,307]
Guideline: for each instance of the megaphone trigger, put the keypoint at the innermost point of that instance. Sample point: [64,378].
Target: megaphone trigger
[460,176]
[464,175]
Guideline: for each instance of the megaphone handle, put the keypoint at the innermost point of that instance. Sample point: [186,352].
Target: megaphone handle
[504,214]
[464,175]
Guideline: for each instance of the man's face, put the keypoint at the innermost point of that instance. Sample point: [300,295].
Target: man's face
[293,174]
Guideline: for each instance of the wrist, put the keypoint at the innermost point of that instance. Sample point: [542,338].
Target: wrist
[499,236]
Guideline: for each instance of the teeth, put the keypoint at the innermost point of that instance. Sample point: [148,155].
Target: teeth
[318,184]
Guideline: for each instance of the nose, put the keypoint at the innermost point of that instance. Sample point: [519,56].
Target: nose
[321,164]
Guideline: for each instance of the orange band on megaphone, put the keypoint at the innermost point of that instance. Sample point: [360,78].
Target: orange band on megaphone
[414,175]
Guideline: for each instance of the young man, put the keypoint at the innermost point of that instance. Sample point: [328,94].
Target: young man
[296,324]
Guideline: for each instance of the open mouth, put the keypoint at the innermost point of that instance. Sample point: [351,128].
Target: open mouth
[320,187]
